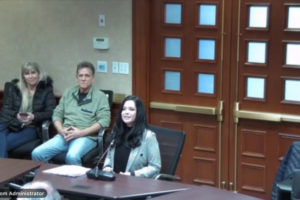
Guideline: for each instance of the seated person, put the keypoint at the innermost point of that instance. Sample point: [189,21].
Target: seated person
[287,168]
[135,150]
[81,112]
[26,104]
[51,192]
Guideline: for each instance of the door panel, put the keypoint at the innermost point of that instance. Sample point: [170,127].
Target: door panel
[273,70]
[199,162]
[226,73]
[182,62]
[185,77]
[263,116]
[261,146]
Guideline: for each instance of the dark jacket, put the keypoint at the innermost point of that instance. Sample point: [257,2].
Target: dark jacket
[43,104]
[289,164]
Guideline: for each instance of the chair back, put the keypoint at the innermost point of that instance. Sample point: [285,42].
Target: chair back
[171,143]
[24,150]
[295,193]
[109,94]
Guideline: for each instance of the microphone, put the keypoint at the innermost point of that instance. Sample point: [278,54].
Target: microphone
[97,174]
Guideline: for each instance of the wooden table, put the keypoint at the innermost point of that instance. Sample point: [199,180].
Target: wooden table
[204,193]
[123,187]
[10,169]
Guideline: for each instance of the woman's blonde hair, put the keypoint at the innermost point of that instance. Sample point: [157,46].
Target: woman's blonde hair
[23,85]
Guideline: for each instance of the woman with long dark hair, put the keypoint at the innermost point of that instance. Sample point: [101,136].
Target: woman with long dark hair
[135,150]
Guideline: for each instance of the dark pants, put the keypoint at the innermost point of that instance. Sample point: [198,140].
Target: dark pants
[10,140]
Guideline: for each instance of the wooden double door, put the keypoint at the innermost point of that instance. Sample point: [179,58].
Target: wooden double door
[228,74]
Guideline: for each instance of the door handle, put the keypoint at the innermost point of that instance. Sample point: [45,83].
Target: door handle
[265,116]
[184,108]
[205,110]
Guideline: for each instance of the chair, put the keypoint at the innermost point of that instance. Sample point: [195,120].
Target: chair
[171,143]
[295,193]
[284,189]
[109,94]
[24,150]
[284,176]
[88,158]
[290,187]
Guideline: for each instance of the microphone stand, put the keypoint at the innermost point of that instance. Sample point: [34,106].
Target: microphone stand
[101,175]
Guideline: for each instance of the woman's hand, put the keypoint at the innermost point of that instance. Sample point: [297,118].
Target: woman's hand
[25,118]
[21,118]
[30,117]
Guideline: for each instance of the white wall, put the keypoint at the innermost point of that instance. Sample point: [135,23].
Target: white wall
[58,34]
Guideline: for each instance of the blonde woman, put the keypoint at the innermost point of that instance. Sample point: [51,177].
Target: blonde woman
[26,104]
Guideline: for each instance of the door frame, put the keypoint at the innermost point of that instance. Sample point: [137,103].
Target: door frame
[141,51]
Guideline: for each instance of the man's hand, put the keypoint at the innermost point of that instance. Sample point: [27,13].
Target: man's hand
[71,133]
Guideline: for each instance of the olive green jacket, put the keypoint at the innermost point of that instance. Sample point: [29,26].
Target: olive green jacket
[93,108]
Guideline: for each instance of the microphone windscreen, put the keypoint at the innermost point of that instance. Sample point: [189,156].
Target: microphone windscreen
[100,175]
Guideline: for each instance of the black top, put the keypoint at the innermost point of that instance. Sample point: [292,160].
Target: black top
[121,158]
[122,152]
[81,96]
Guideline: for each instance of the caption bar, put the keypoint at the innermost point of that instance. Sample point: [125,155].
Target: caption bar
[24,193]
